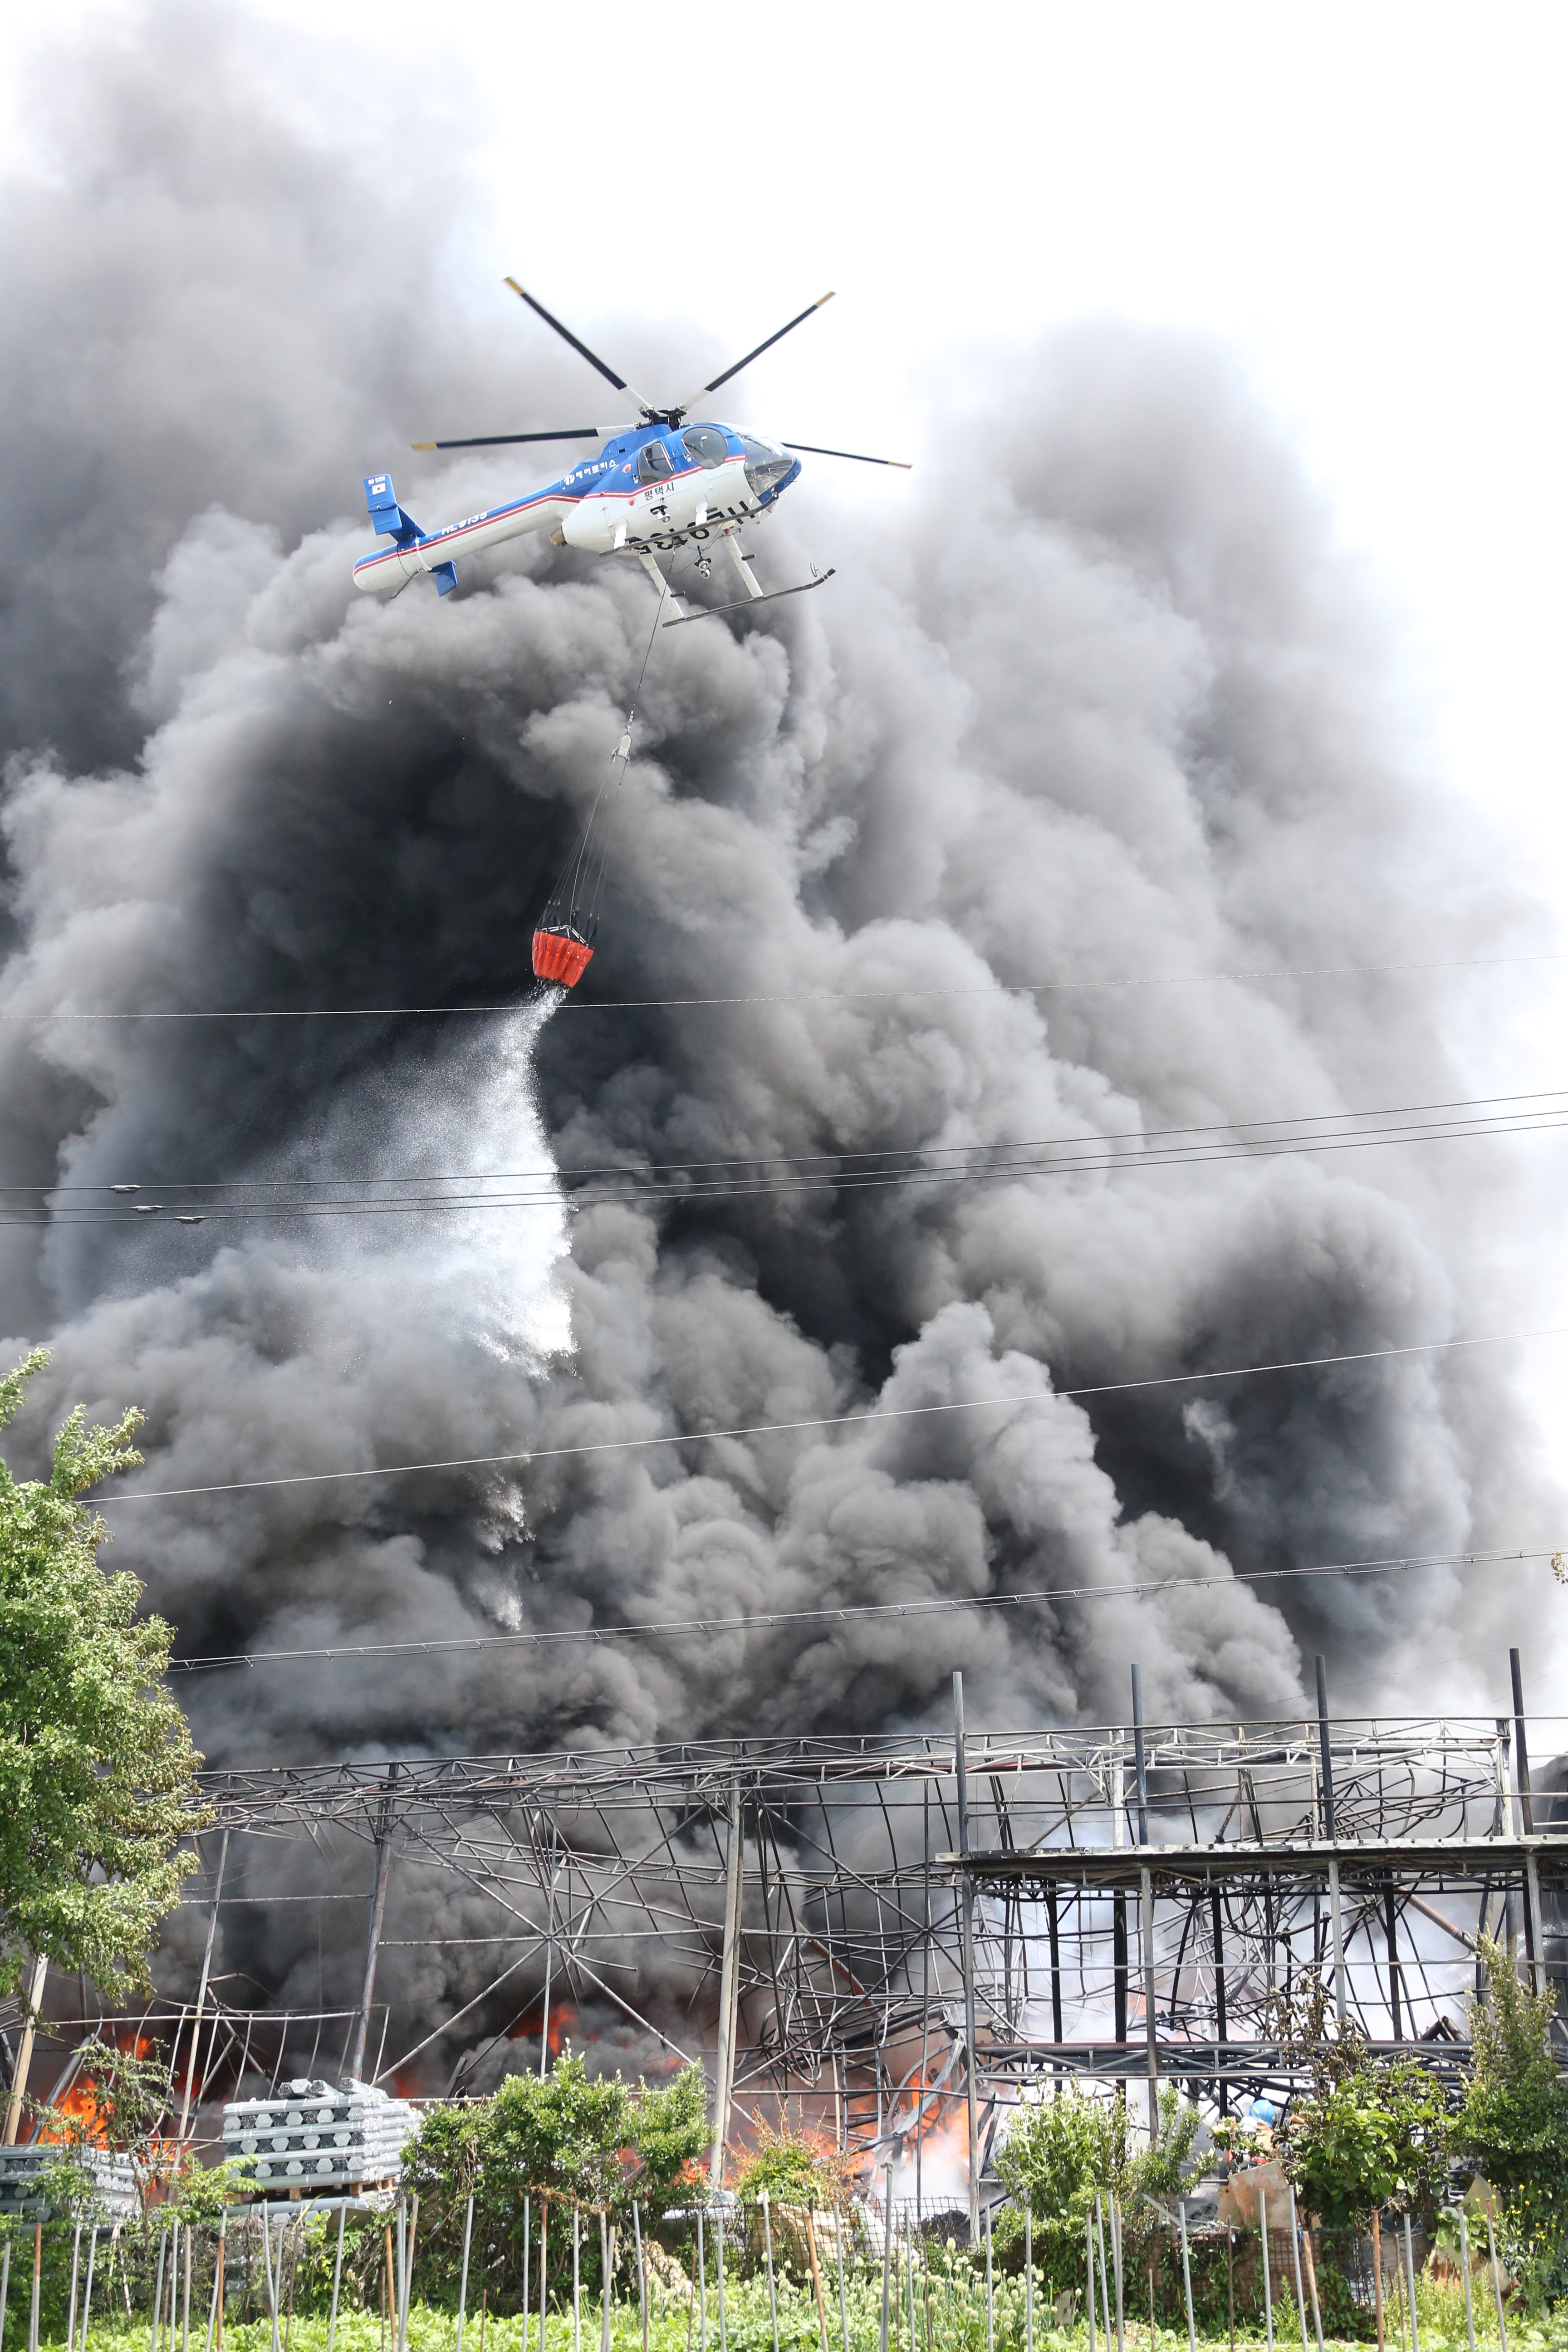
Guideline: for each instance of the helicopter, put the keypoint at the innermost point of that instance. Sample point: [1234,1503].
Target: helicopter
[654,488]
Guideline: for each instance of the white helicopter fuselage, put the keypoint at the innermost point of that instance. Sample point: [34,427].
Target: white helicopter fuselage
[650,489]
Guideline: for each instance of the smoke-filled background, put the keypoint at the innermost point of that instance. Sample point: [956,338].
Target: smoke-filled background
[1094,698]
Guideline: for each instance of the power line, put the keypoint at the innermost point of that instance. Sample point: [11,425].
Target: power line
[797,996]
[849,1171]
[826,1421]
[683,1628]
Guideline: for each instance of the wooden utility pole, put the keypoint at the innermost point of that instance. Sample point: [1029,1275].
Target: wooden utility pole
[25,2053]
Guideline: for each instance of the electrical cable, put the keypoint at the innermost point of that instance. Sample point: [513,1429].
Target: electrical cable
[869,1420]
[848,1170]
[772,1620]
[801,996]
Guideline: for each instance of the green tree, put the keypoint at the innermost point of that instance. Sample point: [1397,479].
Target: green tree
[1371,2132]
[1059,2152]
[1514,2126]
[567,2139]
[1170,2167]
[670,2132]
[96,1770]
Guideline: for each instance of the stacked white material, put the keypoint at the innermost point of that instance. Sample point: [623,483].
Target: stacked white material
[22,2169]
[309,2135]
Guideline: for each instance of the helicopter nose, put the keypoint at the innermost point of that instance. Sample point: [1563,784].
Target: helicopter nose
[766,463]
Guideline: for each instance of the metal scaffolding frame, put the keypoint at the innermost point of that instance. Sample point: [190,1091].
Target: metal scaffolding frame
[910,1932]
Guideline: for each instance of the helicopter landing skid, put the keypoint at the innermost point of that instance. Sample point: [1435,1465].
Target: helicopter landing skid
[747,604]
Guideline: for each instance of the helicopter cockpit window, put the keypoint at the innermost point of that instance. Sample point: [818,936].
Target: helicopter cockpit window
[766,463]
[706,444]
[653,463]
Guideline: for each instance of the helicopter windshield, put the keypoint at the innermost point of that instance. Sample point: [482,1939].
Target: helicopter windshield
[653,463]
[706,444]
[766,463]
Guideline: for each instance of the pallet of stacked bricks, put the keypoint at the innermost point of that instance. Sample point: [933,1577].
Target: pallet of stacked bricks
[26,2190]
[309,2137]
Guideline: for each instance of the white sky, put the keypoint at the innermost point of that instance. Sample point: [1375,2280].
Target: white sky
[1368,202]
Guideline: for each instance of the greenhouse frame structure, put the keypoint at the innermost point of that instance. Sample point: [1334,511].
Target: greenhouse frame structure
[899,1936]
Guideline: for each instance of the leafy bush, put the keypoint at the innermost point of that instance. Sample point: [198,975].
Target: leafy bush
[562,2141]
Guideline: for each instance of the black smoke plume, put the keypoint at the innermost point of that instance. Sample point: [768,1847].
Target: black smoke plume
[1093,696]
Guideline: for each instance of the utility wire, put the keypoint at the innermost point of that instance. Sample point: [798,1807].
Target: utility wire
[848,1170]
[868,1420]
[683,1628]
[800,996]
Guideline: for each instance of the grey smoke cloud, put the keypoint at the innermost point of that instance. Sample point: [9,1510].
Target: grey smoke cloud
[1097,696]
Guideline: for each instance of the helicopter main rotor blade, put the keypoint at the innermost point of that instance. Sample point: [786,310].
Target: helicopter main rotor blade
[799,319]
[809,449]
[499,440]
[582,349]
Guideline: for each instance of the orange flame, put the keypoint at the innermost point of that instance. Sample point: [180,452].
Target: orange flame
[81,2104]
[563,2018]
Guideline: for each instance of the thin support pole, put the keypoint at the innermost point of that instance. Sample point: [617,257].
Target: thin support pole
[86,2287]
[990,2290]
[1496,2283]
[1391,1929]
[925,2006]
[1325,1751]
[1410,2285]
[1230,2284]
[816,2278]
[543,2271]
[1152,2053]
[377,1913]
[961,1777]
[549,1943]
[701,2293]
[1104,2268]
[217,2281]
[25,2052]
[1139,1774]
[213,2299]
[527,2234]
[337,2275]
[910,2268]
[1116,2261]
[186,2297]
[773,2290]
[1221,2024]
[576,2280]
[203,1982]
[1312,2287]
[409,2276]
[1187,2277]
[1089,2235]
[1527,1818]
[1537,1959]
[729,1986]
[4,2287]
[463,2282]
[76,2273]
[843,2297]
[1464,2267]
[1054,1937]
[1029,2276]
[1337,1920]
[1296,2260]
[1267,2292]
[1377,2277]
[642,2273]
[886,2247]
[38,2274]
[718,2277]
